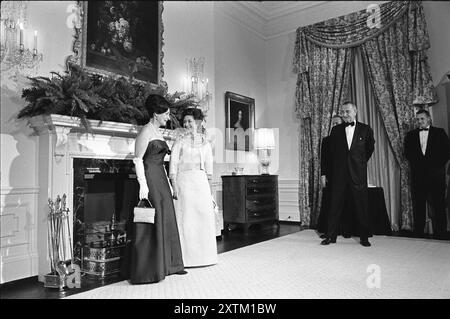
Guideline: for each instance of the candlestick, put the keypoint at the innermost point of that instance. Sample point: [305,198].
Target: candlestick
[35,40]
[21,35]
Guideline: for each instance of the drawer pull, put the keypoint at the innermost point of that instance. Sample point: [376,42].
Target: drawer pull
[263,201]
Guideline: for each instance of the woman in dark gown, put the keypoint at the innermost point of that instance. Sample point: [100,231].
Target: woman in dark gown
[155,248]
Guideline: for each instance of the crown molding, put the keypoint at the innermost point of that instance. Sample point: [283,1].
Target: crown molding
[266,20]
[271,19]
[238,13]
[269,10]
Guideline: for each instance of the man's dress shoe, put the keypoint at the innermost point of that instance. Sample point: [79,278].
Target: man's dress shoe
[328,241]
[365,243]
[346,235]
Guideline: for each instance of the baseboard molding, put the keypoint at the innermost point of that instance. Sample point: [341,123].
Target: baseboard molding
[22,281]
[19,267]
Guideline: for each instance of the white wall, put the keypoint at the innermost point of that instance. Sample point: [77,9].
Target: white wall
[19,185]
[280,114]
[240,68]
[188,32]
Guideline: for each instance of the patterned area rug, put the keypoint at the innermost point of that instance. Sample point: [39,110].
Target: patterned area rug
[296,266]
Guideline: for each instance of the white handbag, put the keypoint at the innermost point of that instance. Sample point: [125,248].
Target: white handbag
[144,214]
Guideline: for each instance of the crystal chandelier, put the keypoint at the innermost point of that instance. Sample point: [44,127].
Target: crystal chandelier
[14,55]
[197,83]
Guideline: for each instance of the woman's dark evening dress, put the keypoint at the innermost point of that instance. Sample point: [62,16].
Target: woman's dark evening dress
[156,249]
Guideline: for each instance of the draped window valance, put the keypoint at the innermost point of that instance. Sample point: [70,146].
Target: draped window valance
[352,30]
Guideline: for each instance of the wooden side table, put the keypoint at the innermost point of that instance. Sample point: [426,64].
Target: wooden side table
[250,199]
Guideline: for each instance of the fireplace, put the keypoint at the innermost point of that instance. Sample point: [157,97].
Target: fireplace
[105,192]
[74,162]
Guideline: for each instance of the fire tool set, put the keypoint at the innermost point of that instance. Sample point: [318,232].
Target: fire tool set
[63,269]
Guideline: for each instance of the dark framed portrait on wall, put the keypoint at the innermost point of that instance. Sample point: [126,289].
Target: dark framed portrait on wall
[122,38]
[240,122]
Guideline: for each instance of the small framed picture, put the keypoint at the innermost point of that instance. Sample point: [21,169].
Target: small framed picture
[240,122]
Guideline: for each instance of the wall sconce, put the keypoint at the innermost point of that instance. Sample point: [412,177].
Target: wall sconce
[264,143]
[196,83]
[13,25]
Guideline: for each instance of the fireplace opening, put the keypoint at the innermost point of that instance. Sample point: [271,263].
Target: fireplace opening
[105,194]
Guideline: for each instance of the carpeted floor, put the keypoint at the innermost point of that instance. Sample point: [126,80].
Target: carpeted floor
[296,266]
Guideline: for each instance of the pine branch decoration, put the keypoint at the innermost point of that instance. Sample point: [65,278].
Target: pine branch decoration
[92,96]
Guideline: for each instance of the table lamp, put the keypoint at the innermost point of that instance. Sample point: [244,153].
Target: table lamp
[264,142]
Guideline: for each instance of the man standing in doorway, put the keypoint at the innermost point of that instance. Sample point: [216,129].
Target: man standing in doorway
[427,149]
[352,145]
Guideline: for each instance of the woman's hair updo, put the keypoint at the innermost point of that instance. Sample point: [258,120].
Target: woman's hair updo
[156,104]
[197,114]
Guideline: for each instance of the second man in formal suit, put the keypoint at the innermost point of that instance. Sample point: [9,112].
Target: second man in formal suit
[351,146]
[427,149]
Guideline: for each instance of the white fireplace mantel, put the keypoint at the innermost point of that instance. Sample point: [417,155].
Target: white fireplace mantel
[61,139]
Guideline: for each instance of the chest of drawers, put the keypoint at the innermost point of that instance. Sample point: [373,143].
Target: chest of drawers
[249,199]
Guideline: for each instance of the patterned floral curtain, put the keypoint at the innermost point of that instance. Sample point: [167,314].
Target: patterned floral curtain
[320,90]
[395,55]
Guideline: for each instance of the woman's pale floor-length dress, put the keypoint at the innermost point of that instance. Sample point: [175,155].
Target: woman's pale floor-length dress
[194,207]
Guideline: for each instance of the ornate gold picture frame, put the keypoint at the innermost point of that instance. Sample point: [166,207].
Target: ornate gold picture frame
[120,38]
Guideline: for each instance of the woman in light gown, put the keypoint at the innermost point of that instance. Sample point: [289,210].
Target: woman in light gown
[190,171]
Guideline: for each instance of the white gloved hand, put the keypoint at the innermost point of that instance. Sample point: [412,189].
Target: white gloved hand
[140,174]
[175,192]
[143,191]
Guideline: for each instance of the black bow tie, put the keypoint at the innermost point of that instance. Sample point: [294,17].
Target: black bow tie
[350,124]
[423,129]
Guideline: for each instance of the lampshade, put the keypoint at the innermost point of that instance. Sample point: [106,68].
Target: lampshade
[264,139]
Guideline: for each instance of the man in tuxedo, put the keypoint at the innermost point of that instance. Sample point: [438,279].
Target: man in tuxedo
[325,169]
[427,149]
[351,146]
[325,156]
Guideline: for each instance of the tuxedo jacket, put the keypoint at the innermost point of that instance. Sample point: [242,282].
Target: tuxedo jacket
[353,160]
[325,157]
[437,152]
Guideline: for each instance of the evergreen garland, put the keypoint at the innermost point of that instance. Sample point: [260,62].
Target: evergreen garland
[96,97]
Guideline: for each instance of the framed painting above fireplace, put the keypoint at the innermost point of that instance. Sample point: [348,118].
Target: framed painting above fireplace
[120,38]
